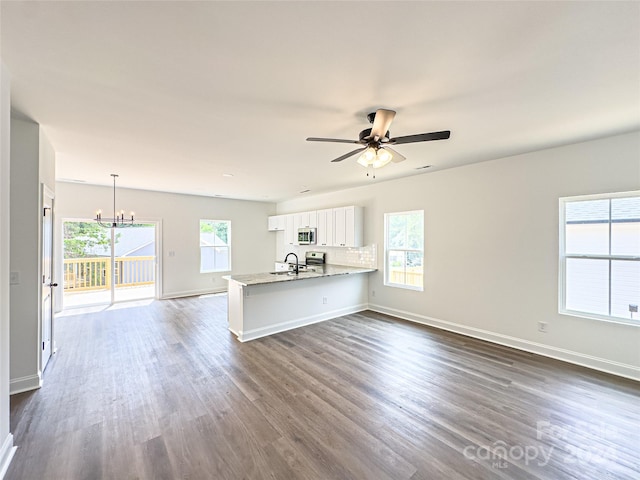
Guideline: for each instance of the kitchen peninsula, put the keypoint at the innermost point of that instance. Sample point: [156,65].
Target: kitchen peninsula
[266,303]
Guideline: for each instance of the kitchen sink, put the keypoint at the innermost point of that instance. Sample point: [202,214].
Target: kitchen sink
[302,271]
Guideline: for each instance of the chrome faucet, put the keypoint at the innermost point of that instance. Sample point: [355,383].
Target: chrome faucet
[296,269]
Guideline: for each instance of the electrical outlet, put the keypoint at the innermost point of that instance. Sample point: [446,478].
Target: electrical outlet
[373,293]
[14,278]
[542,327]
[324,300]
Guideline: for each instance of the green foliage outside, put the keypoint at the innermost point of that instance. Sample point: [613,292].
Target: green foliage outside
[221,229]
[405,232]
[81,237]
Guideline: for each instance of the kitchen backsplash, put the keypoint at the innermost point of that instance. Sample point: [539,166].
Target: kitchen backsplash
[355,257]
[366,256]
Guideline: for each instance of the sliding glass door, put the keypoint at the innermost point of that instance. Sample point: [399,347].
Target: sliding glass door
[134,263]
[107,265]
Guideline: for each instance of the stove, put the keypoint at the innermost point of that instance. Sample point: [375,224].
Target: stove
[310,260]
[314,258]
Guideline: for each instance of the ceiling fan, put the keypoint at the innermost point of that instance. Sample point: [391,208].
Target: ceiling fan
[375,141]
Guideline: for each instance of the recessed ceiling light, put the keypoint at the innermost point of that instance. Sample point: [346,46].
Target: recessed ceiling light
[423,167]
[228,175]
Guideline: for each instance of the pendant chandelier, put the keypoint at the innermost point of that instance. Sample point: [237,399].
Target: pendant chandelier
[118,220]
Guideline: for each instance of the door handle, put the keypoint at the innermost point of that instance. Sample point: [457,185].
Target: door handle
[53,284]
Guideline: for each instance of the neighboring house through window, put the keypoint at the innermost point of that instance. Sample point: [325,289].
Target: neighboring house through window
[404,249]
[215,246]
[600,256]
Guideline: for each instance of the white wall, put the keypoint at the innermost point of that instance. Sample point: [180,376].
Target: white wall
[6,439]
[25,372]
[491,247]
[46,162]
[252,245]
[32,163]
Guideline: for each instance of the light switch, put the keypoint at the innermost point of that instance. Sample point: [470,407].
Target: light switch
[14,278]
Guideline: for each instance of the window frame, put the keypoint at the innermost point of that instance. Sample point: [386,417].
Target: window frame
[227,246]
[563,256]
[387,249]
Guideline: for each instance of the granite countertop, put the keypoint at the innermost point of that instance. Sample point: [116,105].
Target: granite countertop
[315,271]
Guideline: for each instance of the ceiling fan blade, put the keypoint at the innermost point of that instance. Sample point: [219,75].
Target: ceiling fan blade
[421,137]
[347,155]
[381,122]
[396,157]
[335,140]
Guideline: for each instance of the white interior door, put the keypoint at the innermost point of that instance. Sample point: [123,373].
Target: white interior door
[47,278]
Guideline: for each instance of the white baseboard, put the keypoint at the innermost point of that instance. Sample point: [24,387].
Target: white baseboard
[245,336]
[596,363]
[192,293]
[25,384]
[7,450]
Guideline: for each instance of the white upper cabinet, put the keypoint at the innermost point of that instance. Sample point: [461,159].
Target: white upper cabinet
[313,219]
[348,226]
[339,227]
[324,236]
[290,230]
[276,223]
[335,227]
[306,219]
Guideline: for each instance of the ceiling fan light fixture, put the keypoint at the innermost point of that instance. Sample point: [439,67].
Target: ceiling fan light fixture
[373,141]
[374,157]
[367,157]
[382,158]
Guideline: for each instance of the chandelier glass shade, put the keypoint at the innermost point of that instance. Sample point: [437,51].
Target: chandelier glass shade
[118,220]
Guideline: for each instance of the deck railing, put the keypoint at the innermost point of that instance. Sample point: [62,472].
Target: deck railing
[94,273]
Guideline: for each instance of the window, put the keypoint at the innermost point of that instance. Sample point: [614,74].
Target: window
[215,246]
[600,256]
[404,249]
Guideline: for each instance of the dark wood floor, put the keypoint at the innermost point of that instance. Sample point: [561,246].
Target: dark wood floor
[164,391]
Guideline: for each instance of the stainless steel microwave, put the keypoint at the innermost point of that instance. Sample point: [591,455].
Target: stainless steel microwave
[306,236]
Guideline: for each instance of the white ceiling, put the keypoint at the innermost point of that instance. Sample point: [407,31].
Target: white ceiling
[172,95]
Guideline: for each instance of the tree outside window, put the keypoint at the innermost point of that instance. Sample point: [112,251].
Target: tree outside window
[81,239]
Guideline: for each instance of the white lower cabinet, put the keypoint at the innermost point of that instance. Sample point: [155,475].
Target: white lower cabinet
[281,267]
